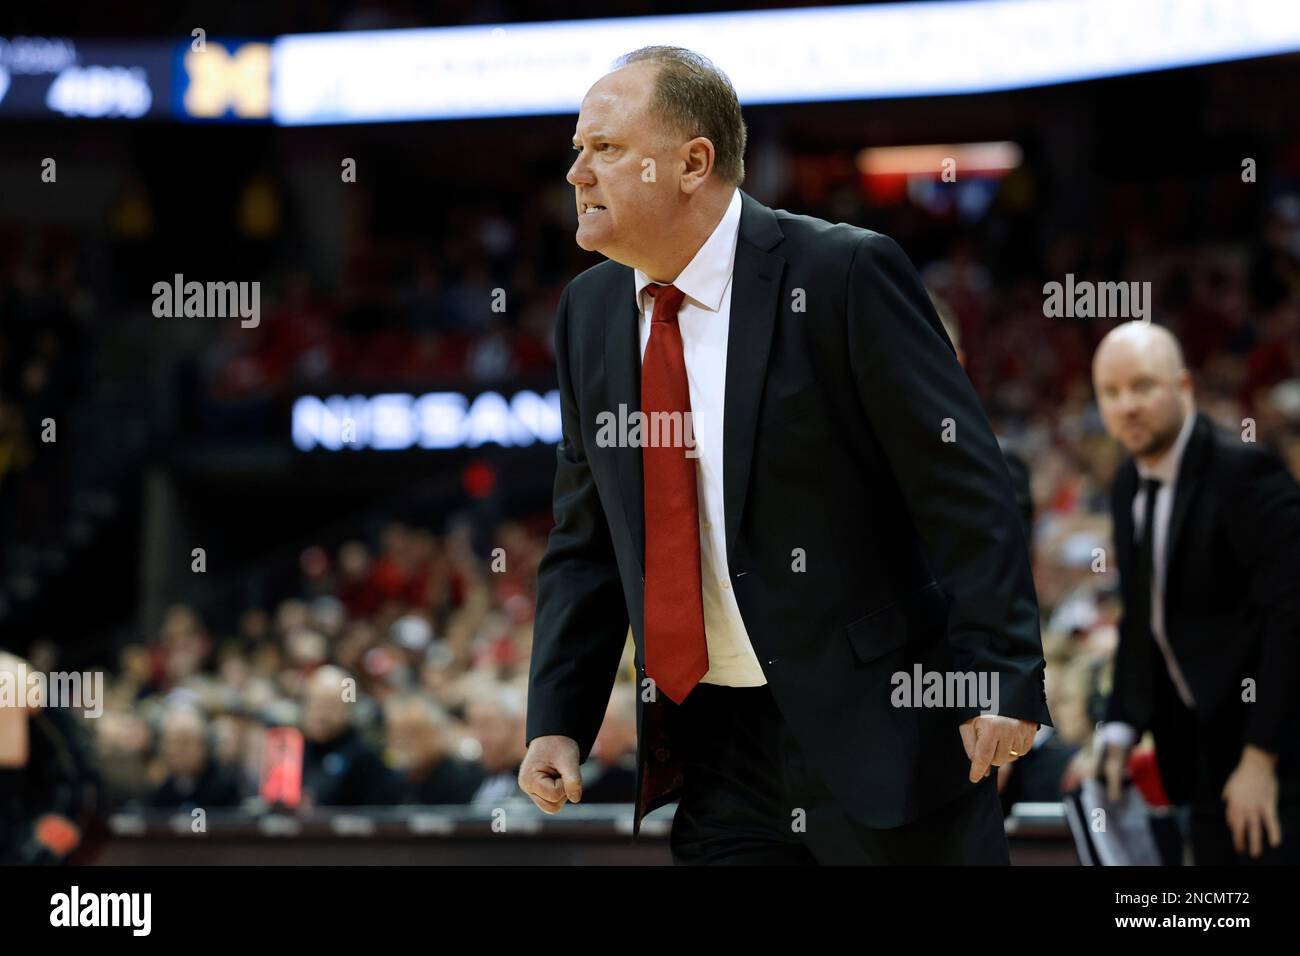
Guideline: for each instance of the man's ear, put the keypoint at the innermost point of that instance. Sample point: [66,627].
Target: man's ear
[699,157]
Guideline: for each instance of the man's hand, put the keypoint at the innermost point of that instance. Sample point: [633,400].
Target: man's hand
[990,738]
[1251,797]
[549,773]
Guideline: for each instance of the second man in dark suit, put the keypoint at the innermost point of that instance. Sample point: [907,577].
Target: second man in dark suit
[1207,530]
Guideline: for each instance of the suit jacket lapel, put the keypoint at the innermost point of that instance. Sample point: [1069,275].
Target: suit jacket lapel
[623,378]
[1185,488]
[755,291]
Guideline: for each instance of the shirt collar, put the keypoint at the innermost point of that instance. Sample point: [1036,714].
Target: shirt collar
[1166,469]
[705,278]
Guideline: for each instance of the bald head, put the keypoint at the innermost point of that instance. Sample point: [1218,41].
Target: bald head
[325,710]
[1154,343]
[496,719]
[417,732]
[1143,388]
[184,742]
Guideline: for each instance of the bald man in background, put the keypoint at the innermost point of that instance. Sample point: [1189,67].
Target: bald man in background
[421,747]
[194,777]
[1207,534]
[339,768]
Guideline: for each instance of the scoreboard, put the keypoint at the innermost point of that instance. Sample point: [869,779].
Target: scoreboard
[66,78]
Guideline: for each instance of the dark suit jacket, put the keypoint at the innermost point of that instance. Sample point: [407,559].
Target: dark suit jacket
[450,781]
[1232,613]
[214,787]
[348,772]
[839,384]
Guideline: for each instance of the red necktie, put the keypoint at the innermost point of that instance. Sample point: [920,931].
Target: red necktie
[676,654]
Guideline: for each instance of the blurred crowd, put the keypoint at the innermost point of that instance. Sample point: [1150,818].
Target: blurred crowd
[403,664]
[402,660]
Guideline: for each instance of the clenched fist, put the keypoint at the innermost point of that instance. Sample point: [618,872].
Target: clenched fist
[549,773]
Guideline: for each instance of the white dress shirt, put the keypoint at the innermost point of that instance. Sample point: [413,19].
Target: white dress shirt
[704,320]
[1166,472]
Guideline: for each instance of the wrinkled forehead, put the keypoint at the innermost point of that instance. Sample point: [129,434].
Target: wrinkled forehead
[617,102]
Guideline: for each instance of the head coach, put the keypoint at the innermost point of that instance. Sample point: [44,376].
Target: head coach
[841,517]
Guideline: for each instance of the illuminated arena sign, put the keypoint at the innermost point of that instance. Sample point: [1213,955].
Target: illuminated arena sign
[435,420]
[803,55]
[812,54]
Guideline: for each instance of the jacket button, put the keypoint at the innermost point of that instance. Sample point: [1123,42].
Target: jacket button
[662,753]
[677,780]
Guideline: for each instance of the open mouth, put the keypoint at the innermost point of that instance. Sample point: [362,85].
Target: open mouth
[591,208]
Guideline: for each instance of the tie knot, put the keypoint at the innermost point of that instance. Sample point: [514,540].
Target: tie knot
[668,301]
[1151,485]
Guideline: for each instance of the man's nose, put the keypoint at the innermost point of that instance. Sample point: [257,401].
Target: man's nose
[579,173]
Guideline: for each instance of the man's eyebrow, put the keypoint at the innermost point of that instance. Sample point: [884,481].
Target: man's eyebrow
[597,135]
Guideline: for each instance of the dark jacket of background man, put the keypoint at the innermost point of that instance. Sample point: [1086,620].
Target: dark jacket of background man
[1232,615]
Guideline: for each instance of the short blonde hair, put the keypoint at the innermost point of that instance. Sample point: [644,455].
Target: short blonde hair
[692,97]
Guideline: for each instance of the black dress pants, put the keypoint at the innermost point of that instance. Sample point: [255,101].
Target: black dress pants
[1212,838]
[749,797]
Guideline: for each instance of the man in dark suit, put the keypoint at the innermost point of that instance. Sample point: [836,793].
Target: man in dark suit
[1207,534]
[194,776]
[827,516]
[420,748]
[339,767]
